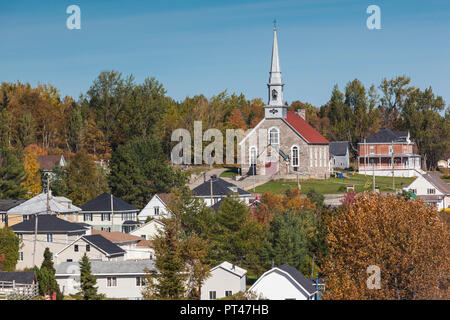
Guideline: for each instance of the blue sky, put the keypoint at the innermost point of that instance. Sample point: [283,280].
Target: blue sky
[206,47]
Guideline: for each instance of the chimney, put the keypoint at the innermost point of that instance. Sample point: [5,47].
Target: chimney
[302,113]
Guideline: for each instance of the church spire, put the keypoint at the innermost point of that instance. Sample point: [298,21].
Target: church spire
[275,107]
[275,71]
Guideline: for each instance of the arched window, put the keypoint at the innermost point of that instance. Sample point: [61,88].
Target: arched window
[274,136]
[294,156]
[253,155]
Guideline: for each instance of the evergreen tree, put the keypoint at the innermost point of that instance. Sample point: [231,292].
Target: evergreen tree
[88,281]
[4,129]
[12,175]
[46,277]
[168,282]
[84,181]
[140,168]
[236,237]
[9,247]
[288,240]
[75,128]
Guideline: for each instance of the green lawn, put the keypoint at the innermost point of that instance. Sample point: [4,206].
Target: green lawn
[230,172]
[334,185]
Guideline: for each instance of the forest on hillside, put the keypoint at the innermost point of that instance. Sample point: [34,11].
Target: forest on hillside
[129,125]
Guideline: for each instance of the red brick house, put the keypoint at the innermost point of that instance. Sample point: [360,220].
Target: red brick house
[375,155]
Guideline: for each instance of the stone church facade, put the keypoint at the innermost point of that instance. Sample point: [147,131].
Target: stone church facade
[283,143]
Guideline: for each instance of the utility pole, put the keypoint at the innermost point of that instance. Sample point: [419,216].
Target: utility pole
[112,213]
[365,158]
[211,189]
[373,167]
[392,163]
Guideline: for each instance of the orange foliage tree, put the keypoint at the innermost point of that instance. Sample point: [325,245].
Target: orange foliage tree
[271,203]
[405,239]
[33,182]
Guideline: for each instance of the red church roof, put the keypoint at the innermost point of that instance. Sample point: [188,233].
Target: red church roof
[304,128]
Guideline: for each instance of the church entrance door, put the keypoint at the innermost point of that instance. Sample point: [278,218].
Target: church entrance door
[271,168]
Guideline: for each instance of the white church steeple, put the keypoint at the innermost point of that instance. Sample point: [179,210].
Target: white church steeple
[275,107]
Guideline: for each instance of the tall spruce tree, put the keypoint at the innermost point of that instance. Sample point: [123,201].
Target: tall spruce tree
[9,249]
[12,175]
[88,281]
[46,277]
[168,282]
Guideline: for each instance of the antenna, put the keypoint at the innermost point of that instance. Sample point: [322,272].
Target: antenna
[275,24]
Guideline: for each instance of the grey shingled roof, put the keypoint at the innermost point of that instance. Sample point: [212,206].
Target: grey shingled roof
[338,148]
[104,244]
[5,205]
[220,188]
[387,136]
[102,203]
[299,278]
[22,277]
[435,180]
[108,267]
[48,223]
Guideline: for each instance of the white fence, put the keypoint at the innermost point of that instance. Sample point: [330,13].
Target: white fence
[10,290]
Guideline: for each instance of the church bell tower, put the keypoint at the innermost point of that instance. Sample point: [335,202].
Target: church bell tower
[275,108]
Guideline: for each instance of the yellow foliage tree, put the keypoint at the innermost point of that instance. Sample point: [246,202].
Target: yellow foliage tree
[33,182]
[387,247]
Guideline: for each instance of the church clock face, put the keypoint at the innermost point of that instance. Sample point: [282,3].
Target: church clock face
[274,94]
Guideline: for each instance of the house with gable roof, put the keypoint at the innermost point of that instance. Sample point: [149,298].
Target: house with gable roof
[225,280]
[157,207]
[216,189]
[109,213]
[284,283]
[431,189]
[95,246]
[283,143]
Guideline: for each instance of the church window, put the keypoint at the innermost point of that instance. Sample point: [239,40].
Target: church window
[274,94]
[315,157]
[252,155]
[294,156]
[274,136]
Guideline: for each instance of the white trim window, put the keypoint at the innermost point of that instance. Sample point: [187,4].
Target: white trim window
[212,295]
[431,191]
[274,136]
[228,293]
[156,210]
[310,157]
[111,282]
[253,155]
[87,216]
[49,237]
[315,157]
[140,281]
[320,157]
[372,150]
[294,156]
[20,255]
[106,216]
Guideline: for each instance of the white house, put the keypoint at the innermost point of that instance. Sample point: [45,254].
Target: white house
[284,283]
[115,279]
[225,280]
[135,247]
[149,230]
[109,213]
[431,189]
[157,207]
[217,189]
[95,246]
[339,154]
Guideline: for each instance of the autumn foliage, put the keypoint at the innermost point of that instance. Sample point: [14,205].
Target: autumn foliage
[406,239]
